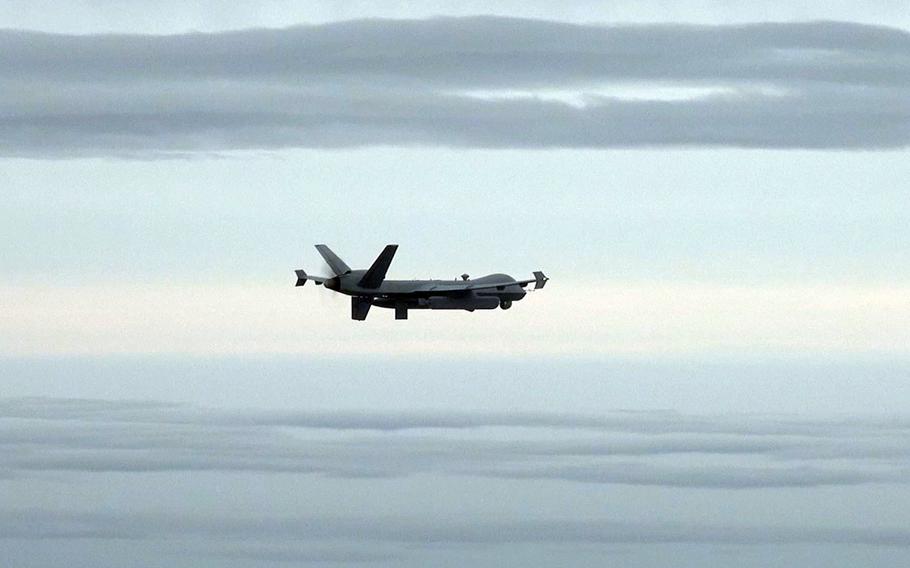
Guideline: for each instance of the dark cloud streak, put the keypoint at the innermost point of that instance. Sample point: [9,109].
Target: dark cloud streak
[386,82]
[475,52]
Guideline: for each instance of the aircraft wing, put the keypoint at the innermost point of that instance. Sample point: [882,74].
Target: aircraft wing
[539,281]
[444,288]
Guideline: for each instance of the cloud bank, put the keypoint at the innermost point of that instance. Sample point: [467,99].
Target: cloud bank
[624,448]
[72,449]
[473,82]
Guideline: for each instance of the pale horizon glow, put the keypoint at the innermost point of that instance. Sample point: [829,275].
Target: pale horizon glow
[607,319]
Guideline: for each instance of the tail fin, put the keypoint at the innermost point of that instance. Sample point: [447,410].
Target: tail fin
[336,264]
[376,274]
[539,280]
[302,277]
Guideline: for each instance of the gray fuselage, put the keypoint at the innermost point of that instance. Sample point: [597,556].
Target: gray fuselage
[431,294]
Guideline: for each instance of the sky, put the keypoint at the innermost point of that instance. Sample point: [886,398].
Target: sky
[717,372]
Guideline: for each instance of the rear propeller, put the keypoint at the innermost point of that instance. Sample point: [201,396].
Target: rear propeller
[303,277]
[326,269]
[332,298]
[332,264]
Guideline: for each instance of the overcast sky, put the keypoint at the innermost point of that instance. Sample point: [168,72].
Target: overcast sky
[717,373]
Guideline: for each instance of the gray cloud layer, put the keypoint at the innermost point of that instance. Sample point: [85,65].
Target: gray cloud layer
[76,445]
[42,524]
[59,435]
[808,85]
